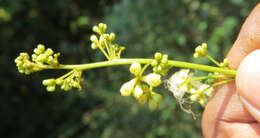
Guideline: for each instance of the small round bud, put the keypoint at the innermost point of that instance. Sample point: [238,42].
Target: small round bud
[154,63]
[165,56]
[112,36]
[49,52]
[194,97]
[37,51]
[102,27]
[94,38]
[159,68]
[135,68]
[41,47]
[158,55]
[59,81]
[153,79]
[106,36]
[203,102]
[49,82]
[204,46]
[164,61]
[94,46]
[96,29]
[41,58]
[50,88]
[196,55]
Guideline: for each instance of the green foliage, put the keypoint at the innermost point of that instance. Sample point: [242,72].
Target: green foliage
[174,27]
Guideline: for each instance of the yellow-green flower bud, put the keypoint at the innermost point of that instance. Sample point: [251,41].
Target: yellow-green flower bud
[203,101]
[59,81]
[94,38]
[127,88]
[135,68]
[138,91]
[204,46]
[49,82]
[158,55]
[41,47]
[102,27]
[194,97]
[112,37]
[37,51]
[50,88]
[94,46]
[154,63]
[49,52]
[153,79]
[96,29]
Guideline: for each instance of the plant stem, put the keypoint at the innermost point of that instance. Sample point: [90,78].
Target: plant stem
[116,62]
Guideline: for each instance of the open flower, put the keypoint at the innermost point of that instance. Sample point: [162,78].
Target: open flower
[153,79]
[176,83]
[127,88]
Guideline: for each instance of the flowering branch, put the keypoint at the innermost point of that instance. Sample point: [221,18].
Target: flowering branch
[183,84]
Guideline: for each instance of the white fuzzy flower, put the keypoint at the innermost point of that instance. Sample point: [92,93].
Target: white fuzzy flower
[176,83]
[153,79]
[127,88]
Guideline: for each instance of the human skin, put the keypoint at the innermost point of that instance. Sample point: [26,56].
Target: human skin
[234,109]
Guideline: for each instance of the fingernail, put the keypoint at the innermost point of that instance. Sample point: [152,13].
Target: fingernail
[248,79]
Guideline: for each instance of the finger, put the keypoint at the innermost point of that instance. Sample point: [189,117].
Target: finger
[248,83]
[248,39]
[224,114]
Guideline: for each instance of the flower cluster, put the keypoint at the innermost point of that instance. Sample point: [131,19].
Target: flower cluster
[24,65]
[45,56]
[200,51]
[141,86]
[40,58]
[184,86]
[182,82]
[104,42]
[66,82]
[160,64]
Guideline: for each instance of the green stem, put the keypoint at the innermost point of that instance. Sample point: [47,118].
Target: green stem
[213,60]
[116,62]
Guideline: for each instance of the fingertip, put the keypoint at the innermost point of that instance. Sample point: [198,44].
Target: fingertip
[248,79]
[247,40]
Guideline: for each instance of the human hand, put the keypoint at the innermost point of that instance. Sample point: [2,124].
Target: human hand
[234,109]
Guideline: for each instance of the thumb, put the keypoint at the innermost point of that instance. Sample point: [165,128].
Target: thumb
[248,83]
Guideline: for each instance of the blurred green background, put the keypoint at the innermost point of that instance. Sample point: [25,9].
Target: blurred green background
[173,27]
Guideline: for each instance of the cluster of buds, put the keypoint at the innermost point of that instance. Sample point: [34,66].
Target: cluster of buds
[67,83]
[24,64]
[45,56]
[201,94]
[160,64]
[141,86]
[201,51]
[225,63]
[181,83]
[104,42]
